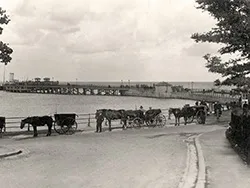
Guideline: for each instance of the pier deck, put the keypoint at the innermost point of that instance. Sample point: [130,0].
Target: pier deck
[68,89]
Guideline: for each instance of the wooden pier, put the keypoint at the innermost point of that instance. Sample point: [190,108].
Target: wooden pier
[65,89]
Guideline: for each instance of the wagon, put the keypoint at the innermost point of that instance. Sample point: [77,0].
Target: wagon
[199,113]
[154,117]
[65,123]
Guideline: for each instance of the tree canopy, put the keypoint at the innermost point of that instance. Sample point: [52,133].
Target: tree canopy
[5,50]
[232,30]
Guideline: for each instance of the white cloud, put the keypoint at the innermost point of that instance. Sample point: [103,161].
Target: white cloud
[106,39]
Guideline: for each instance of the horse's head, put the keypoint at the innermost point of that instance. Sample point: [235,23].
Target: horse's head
[170,111]
[23,122]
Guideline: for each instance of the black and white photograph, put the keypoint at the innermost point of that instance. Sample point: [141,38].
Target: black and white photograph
[124,93]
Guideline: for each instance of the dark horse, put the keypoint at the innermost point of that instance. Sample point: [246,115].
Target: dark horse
[2,125]
[36,121]
[111,115]
[185,112]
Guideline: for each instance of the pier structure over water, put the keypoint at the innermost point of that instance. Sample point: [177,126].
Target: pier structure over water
[65,89]
[161,90]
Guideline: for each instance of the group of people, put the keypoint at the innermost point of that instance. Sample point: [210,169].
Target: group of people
[216,106]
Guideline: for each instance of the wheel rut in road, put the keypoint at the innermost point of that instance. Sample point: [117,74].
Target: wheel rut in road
[195,172]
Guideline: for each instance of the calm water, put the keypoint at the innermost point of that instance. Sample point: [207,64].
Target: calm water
[20,104]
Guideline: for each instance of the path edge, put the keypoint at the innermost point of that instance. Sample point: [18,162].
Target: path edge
[201,179]
[10,154]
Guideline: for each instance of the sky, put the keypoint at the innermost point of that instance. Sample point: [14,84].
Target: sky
[107,40]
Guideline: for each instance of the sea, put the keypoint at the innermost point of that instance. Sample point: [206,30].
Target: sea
[29,104]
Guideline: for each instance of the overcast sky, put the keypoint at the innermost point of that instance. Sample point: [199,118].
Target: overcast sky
[107,40]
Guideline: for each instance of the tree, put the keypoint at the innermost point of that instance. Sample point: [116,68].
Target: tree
[217,82]
[5,50]
[232,30]
[46,79]
[37,79]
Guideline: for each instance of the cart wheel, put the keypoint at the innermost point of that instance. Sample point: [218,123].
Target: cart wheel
[152,122]
[201,117]
[161,120]
[60,128]
[71,125]
[137,123]
[190,119]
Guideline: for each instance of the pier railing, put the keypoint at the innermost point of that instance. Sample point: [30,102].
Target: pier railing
[84,120]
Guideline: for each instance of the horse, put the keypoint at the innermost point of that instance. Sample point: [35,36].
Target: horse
[2,125]
[171,111]
[177,114]
[185,112]
[36,121]
[111,115]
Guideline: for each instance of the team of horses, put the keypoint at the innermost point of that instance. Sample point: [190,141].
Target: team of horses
[125,115]
[188,113]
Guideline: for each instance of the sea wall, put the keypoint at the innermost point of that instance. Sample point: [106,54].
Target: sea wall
[209,97]
[140,92]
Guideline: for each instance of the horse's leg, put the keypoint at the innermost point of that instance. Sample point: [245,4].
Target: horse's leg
[49,130]
[124,124]
[175,121]
[109,124]
[35,131]
[28,127]
[185,120]
[179,121]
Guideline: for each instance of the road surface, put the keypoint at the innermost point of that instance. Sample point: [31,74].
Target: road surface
[145,158]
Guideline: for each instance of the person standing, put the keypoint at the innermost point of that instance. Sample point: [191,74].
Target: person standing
[99,119]
[218,106]
[245,107]
[142,109]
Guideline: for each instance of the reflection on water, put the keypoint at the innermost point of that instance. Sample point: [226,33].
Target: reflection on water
[24,104]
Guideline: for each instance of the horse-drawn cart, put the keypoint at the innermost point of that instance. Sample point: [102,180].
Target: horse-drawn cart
[65,123]
[154,117]
[197,112]
[137,119]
